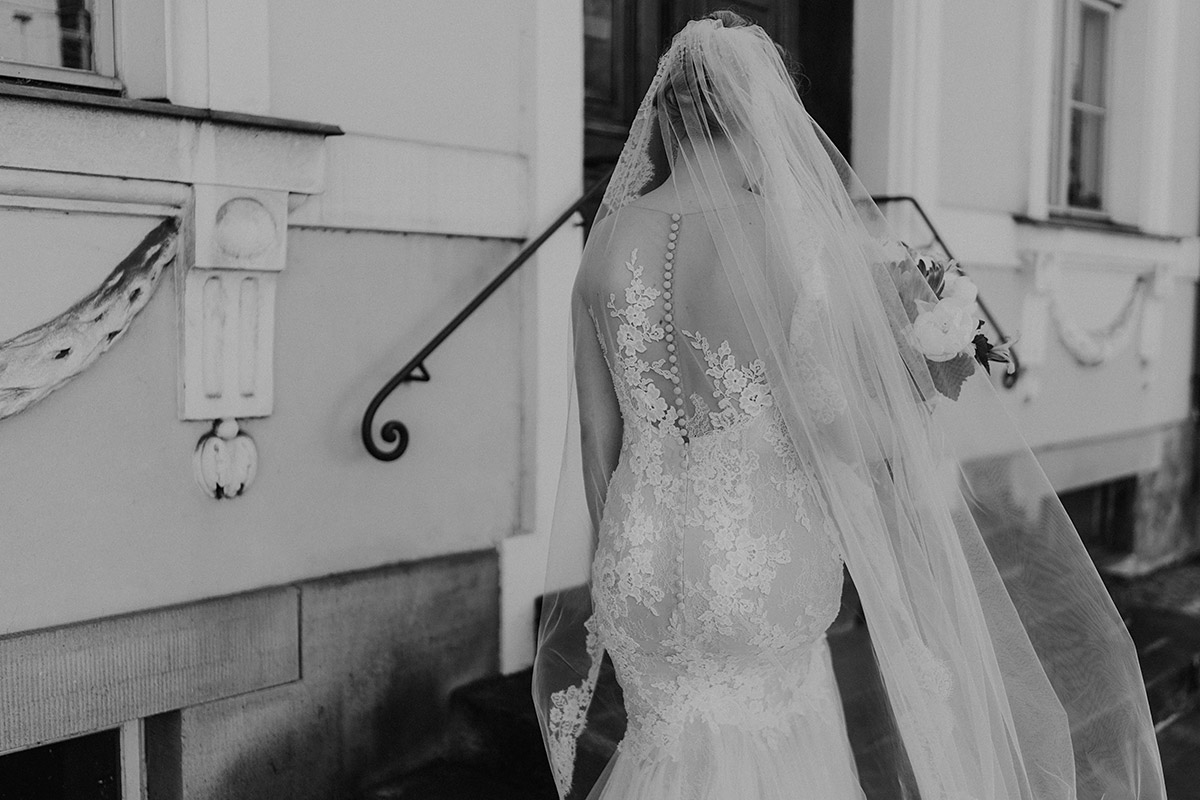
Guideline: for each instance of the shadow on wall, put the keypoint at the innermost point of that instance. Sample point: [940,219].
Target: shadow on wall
[380,652]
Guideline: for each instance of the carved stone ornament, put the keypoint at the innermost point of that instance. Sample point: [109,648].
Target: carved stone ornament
[1140,315]
[234,256]
[225,461]
[35,363]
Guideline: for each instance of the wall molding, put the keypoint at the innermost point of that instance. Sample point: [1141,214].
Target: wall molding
[230,177]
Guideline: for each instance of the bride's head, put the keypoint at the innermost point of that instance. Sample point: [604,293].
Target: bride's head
[707,89]
[688,99]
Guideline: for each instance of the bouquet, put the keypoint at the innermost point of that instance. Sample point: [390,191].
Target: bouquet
[948,331]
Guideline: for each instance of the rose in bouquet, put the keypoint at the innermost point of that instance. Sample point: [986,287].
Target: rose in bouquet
[948,331]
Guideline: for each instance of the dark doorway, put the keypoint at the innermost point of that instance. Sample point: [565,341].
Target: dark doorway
[624,38]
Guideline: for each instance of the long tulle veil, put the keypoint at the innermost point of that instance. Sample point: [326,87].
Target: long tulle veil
[1007,671]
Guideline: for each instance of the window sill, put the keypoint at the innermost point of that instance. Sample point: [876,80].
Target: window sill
[58,77]
[1096,224]
[82,98]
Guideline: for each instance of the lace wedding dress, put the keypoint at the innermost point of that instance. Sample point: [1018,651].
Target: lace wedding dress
[715,575]
[753,411]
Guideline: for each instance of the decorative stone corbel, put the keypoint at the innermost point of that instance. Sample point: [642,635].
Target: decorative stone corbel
[225,460]
[235,247]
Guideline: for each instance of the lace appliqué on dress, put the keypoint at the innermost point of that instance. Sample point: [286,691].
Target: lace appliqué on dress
[726,486]
[762,698]
[741,392]
[568,716]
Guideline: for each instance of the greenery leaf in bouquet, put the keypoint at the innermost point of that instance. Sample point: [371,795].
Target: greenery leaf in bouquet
[934,273]
[949,376]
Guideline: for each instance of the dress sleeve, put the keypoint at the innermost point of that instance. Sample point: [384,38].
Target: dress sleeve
[600,426]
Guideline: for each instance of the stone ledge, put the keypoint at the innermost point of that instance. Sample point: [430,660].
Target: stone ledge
[163,109]
[66,681]
[51,131]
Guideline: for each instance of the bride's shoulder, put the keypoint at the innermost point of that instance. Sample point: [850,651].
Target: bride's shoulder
[612,242]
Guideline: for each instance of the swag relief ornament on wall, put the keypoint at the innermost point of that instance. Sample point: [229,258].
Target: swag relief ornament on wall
[43,359]
[1047,305]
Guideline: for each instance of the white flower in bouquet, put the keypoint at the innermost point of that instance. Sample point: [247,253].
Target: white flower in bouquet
[960,289]
[947,328]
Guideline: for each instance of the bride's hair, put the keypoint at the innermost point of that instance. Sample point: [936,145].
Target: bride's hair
[729,18]
[675,93]
[700,92]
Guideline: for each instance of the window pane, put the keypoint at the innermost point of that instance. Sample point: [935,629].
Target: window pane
[598,48]
[1087,159]
[1089,69]
[50,33]
[84,768]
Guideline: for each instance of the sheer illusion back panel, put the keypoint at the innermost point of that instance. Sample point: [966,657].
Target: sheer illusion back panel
[715,575]
[659,287]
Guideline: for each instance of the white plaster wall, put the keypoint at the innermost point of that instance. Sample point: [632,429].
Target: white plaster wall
[448,73]
[100,513]
[79,251]
[978,74]
[984,114]
[1075,402]
[433,100]
[461,118]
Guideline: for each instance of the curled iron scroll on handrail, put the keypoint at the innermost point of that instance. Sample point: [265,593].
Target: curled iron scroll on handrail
[1009,379]
[394,433]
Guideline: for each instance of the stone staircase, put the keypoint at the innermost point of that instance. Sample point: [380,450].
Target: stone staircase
[494,749]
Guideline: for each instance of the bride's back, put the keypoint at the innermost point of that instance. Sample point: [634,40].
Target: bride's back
[655,286]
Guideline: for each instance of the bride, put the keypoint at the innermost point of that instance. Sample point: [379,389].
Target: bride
[754,413]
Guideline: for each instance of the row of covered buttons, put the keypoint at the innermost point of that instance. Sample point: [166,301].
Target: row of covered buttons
[669,316]
[673,359]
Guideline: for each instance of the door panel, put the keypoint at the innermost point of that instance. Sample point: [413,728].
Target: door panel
[624,38]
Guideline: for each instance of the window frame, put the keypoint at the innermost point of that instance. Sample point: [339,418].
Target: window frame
[1070,17]
[102,76]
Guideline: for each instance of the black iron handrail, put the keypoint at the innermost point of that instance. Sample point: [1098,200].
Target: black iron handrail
[1010,378]
[394,432]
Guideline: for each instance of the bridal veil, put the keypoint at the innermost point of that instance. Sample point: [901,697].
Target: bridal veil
[1006,671]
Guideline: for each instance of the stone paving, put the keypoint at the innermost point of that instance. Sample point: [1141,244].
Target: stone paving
[1173,595]
[1176,587]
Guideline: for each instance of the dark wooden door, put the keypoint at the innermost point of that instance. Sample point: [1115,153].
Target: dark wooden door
[624,38]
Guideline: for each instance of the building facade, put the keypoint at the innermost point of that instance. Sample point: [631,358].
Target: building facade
[199,555]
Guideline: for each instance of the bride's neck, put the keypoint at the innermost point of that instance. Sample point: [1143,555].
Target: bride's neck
[693,165]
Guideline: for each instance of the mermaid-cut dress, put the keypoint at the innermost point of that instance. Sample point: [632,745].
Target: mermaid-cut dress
[715,575]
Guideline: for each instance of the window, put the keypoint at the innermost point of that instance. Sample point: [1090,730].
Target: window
[1081,122]
[58,41]
[87,766]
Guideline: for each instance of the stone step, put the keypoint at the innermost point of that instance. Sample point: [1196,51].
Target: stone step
[1168,645]
[456,780]
[1179,744]
[494,723]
